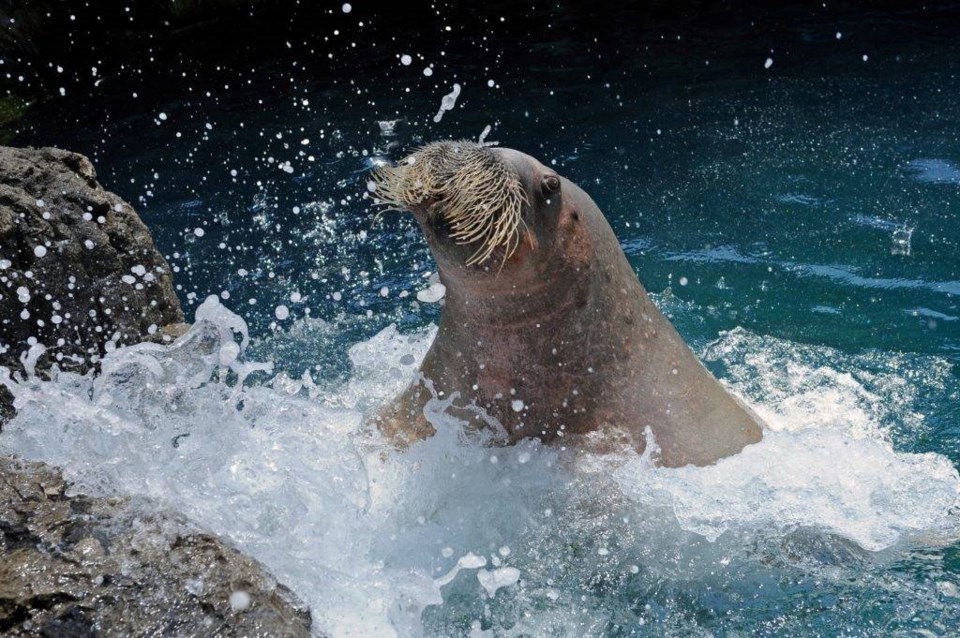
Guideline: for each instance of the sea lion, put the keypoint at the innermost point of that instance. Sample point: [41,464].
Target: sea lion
[546,331]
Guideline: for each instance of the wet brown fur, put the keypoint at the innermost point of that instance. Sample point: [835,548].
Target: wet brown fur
[563,324]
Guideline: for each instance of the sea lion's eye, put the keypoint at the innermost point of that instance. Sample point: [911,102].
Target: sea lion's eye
[551,184]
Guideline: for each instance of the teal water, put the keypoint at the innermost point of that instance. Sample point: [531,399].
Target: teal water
[800,224]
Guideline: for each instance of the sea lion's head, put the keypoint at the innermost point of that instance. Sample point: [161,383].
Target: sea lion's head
[486,212]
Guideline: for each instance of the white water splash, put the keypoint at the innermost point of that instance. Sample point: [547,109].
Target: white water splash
[376,542]
[859,489]
[482,140]
[448,102]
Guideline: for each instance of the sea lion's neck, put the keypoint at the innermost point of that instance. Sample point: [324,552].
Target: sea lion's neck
[507,306]
[566,354]
[550,343]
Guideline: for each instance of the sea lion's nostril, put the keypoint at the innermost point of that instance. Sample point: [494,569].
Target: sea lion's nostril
[551,184]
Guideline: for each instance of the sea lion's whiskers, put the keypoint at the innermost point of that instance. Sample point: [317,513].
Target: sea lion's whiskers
[476,193]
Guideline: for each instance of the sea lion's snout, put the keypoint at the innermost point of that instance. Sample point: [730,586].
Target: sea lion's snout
[470,200]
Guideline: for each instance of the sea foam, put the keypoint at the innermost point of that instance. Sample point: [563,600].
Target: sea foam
[452,537]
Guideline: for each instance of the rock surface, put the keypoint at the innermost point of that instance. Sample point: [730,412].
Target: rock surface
[79,275]
[79,566]
[78,269]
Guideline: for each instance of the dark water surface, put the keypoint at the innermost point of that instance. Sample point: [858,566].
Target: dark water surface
[796,178]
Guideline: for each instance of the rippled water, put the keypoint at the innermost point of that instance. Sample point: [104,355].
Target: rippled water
[798,223]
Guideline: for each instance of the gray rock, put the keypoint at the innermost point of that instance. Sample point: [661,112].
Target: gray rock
[78,268]
[79,274]
[80,566]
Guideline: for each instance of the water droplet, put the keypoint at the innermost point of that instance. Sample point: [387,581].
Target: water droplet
[239,600]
